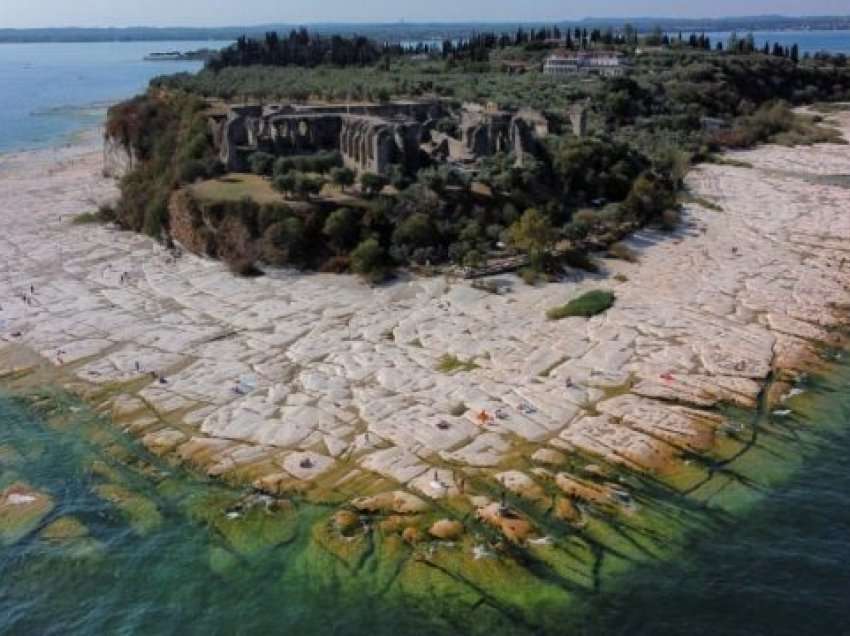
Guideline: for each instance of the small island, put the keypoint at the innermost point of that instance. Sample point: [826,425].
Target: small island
[199,55]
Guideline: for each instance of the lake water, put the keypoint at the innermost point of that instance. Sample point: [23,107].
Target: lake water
[165,557]
[809,41]
[49,91]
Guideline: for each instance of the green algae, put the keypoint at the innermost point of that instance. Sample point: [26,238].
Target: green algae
[64,529]
[142,514]
[478,583]
[22,509]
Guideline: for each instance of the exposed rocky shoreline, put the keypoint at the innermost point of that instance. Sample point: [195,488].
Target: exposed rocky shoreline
[322,386]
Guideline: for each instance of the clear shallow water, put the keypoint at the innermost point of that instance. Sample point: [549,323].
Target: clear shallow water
[783,567]
[49,91]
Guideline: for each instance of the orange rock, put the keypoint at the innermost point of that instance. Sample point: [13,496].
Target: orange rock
[446,529]
[566,510]
[345,520]
[411,535]
[516,529]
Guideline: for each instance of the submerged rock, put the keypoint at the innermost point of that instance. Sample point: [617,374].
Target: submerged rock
[141,512]
[398,501]
[411,535]
[22,509]
[64,529]
[513,527]
[446,529]
[345,520]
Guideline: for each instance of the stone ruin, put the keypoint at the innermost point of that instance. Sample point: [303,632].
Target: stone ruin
[371,138]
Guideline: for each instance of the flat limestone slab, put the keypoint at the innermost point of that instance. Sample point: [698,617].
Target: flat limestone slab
[263,369]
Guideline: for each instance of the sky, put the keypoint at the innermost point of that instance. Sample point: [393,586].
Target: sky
[95,13]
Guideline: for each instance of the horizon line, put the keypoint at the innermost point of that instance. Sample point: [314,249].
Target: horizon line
[405,22]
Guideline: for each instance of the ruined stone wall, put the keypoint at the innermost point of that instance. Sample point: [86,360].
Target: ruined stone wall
[369,144]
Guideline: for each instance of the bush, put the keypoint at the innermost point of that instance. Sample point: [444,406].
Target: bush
[372,183]
[343,177]
[533,233]
[284,242]
[192,171]
[104,214]
[342,228]
[285,183]
[320,162]
[307,186]
[369,260]
[416,231]
[586,305]
[261,163]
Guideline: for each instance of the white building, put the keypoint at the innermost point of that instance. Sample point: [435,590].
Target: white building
[567,63]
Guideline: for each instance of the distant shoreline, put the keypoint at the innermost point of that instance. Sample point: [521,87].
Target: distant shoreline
[406,30]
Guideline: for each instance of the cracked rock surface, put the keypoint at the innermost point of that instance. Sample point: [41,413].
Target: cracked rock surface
[293,379]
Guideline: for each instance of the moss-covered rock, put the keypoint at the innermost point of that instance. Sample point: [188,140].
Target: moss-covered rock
[141,513]
[22,509]
[63,530]
[446,529]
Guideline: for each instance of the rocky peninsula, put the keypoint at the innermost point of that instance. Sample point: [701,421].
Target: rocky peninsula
[321,387]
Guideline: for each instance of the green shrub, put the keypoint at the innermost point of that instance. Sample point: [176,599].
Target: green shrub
[342,227]
[104,214]
[261,163]
[372,183]
[343,177]
[587,305]
[320,162]
[369,260]
[285,183]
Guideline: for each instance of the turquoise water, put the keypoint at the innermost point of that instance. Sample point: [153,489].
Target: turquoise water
[179,565]
[782,569]
[50,91]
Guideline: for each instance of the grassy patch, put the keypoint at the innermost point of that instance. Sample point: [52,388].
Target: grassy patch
[86,218]
[450,364]
[235,187]
[587,305]
[104,214]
